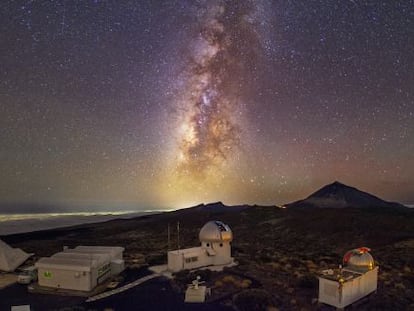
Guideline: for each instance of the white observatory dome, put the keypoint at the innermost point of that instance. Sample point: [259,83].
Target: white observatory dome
[360,259]
[215,231]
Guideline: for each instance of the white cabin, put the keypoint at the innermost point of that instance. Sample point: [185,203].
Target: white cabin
[81,268]
[215,249]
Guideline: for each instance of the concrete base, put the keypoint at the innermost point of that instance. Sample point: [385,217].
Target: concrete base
[195,295]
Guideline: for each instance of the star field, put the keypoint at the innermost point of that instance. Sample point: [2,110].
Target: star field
[160,104]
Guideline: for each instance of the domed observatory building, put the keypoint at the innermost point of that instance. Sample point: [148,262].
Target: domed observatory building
[215,249]
[356,279]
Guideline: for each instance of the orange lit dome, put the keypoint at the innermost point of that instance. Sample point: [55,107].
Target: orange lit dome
[215,231]
[359,259]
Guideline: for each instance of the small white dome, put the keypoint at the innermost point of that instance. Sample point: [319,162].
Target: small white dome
[215,231]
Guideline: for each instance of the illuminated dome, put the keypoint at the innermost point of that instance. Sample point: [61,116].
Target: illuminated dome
[215,231]
[359,258]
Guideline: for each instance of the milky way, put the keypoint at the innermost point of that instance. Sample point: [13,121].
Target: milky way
[211,123]
[170,103]
[210,130]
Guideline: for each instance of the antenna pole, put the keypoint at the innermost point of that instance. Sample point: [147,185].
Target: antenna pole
[178,235]
[168,230]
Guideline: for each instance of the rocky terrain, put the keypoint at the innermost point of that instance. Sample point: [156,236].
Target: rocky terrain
[279,250]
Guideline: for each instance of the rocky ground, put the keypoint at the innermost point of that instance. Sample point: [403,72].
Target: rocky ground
[279,251]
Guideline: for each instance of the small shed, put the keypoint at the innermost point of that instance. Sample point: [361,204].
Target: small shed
[355,280]
[196,293]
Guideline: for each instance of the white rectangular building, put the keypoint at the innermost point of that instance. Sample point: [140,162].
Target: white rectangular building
[81,268]
[359,278]
[74,274]
[189,258]
[352,287]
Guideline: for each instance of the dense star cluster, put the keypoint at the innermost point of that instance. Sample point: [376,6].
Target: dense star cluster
[170,103]
[208,133]
[210,99]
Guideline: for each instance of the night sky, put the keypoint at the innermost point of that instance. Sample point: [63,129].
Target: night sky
[162,104]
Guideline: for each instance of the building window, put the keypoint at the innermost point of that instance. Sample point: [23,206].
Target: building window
[208,244]
[221,244]
[191,259]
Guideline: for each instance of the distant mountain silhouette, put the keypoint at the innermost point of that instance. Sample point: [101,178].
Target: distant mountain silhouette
[338,195]
[220,207]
